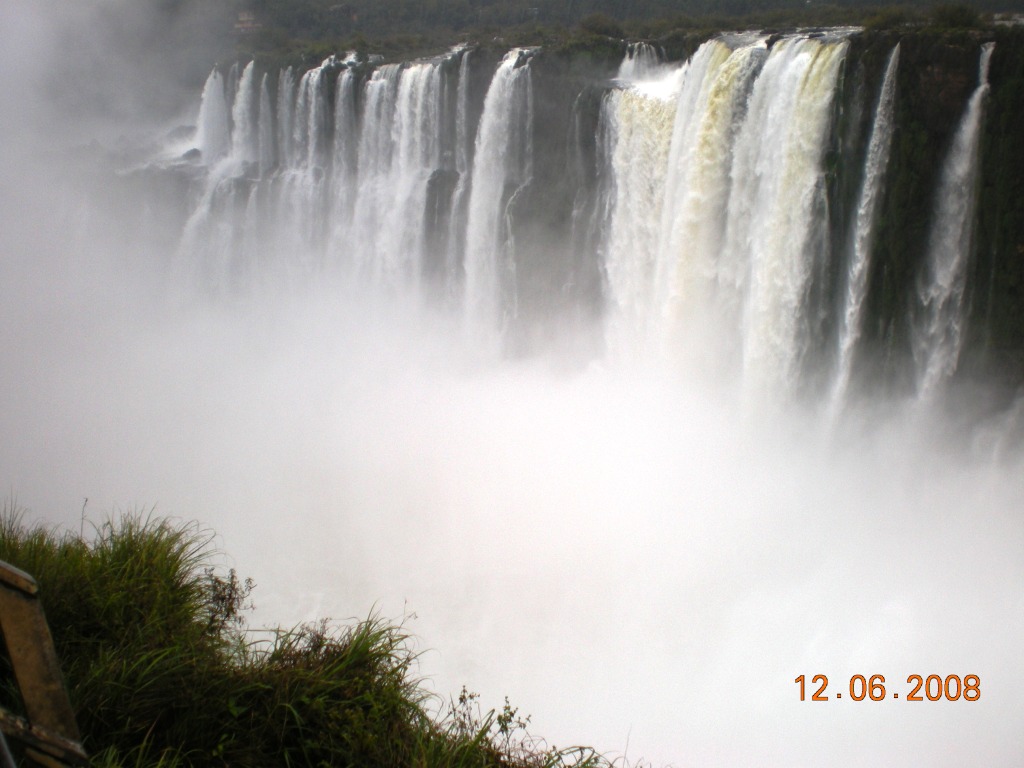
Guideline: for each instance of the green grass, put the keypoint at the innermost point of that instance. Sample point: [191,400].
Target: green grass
[162,669]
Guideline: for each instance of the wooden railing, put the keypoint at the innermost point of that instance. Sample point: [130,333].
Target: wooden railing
[48,732]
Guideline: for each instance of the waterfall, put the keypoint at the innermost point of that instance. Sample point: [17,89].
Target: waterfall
[265,130]
[218,231]
[591,137]
[245,134]
[344,163]
[285,116]
[938,331]
[711,189]
[502,166]
[861,241]
[309,129]
[213,136]
[463,160]
[208,250]
[301,201]
[375,151]
[417,146]
[690,216]
[692,258]
[462,144]
[346,130]
[777,206]
[641,62]
[638,125]
[688,157]
[714,232]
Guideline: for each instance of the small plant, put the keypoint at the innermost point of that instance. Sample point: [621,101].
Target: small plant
[227,597]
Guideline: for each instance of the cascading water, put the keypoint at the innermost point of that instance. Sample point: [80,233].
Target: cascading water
[213,131]
[375,157]
[502,166]
[245,134]
[401,149]
[285,116]
[692,256]
[779,154]
[295,208]
[638,123]
[463,164]
[641,62]
[345,161]
[738,199]
[417,136]
[711,226]
[265,130]
[938,333]
[876,163]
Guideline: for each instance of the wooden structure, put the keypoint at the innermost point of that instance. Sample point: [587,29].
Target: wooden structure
[47,734]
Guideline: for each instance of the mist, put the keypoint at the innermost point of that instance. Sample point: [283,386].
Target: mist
[637,558]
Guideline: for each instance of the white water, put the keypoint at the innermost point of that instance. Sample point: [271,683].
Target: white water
[640,131]
[938,334]
[375,149]
[693,247]
[285,115]
[417,146]
[502,166]
[344,164]
[863,229]
[244,133]
[463,165]
[641,62]
[779,155]
[213,131]
[265,130]
[616,549]
[723,281]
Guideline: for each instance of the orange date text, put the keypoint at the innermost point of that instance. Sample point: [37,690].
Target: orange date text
[873,688]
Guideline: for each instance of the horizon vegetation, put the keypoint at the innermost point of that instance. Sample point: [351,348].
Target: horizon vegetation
[308,31]
[285,32]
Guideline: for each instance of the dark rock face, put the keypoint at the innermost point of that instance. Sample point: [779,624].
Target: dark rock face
[938,72]
[996,333]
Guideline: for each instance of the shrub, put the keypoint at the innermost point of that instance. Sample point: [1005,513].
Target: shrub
[163,672]
[955,16]
[889,18]
[602,24]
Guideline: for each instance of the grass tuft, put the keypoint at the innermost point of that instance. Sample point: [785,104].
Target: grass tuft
[163,672]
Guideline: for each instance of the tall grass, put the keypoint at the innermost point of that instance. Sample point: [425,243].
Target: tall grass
[163,672]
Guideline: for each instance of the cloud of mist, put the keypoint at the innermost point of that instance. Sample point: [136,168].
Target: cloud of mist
[621,552]
[82,69]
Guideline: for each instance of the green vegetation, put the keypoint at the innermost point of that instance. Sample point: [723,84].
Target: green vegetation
[162,670]
[403,29]
[956,16]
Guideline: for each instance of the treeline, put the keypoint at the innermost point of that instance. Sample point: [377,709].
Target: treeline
[408,27]
[179,40]
[312,18]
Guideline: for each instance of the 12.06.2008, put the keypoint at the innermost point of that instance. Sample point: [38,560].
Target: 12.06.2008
[932,688]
